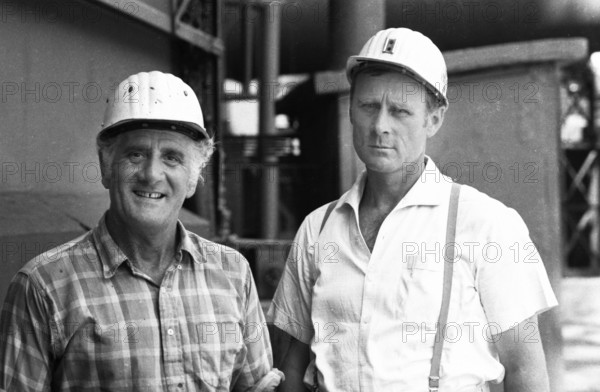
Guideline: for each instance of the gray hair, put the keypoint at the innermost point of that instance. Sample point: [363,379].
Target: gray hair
[203,149]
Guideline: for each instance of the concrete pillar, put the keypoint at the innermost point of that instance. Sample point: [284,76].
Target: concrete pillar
[352,23]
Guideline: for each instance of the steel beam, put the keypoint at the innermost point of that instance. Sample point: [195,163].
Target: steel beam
[170,24]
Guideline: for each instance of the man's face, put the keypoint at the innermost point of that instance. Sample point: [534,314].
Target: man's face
[150,177]
[390,121]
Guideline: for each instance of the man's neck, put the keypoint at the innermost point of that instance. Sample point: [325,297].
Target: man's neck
[385,190]
[152,250]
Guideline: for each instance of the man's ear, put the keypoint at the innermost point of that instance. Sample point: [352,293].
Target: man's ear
[436,118]
[192,184]
[105,172]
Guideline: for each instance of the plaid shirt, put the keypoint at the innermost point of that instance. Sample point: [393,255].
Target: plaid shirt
[83,317]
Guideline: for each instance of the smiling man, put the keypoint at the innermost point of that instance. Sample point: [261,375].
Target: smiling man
[139,303]
[409,282]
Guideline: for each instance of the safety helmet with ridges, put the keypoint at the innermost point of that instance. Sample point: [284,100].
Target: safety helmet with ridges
[153,100]
[409,51]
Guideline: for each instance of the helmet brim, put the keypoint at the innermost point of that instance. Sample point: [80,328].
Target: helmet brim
[192,130]
[355,63]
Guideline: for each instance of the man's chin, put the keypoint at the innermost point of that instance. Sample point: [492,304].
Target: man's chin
[379,167]
[390,166]
[150,221]
[150,215]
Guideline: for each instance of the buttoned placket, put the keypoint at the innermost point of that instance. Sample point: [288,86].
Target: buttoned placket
[170,331]
[369,299]
[364,328]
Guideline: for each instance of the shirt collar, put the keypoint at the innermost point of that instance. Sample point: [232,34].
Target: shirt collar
[430,189]
[187,244]
[111,256]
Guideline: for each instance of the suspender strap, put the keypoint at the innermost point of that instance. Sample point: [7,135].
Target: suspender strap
[330,207]
[434,374]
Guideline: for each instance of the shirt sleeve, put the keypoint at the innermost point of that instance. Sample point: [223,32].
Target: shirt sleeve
[25,338]
[259,358]
[511,278]
[291,307]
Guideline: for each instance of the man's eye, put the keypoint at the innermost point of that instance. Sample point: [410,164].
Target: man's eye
[173,159]
[370,106]
[399,112]
[135,156]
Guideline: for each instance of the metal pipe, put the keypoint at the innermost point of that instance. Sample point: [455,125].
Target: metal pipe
[352,23]
[223,225]
[247,43]
[271,14]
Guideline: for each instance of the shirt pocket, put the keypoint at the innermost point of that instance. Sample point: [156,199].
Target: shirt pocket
[221,347]
[106,345]
[423,279]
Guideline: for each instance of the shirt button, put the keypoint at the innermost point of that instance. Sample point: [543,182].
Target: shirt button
[179,266]
[170,332]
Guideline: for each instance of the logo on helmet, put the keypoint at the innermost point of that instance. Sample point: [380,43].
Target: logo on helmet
[388,46]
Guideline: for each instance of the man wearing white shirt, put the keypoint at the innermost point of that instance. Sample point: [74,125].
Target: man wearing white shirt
[365,287]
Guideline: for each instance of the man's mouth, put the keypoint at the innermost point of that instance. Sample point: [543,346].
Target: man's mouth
[149,195]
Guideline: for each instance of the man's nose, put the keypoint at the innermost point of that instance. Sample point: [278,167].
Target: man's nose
[151,171]
[381,122]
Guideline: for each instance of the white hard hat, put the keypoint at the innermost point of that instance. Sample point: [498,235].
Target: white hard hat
[154,100]
[408,50]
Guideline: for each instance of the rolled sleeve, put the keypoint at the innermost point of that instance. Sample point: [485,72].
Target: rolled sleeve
[511,277]
[259,359]
[25,338]
[291,308]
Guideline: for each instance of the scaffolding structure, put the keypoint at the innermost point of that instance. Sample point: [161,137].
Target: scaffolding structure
[580,162]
